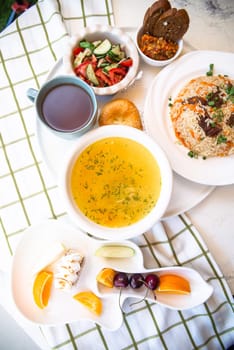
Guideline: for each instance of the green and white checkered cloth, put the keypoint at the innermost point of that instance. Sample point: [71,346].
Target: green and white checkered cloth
[29,195]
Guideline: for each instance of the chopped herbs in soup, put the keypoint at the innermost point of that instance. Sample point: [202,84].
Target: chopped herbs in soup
[115,182]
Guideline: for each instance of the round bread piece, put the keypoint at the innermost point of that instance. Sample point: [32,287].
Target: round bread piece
[120,111]
[153,13]
[172,25]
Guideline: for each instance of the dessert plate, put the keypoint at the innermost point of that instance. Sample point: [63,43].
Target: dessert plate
[213,171]
[185,194]
[62,307]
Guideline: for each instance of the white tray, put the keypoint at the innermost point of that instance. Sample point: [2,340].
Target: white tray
[186,194]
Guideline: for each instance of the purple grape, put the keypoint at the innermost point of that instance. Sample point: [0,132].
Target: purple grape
[152,281]
[136,280]
[121,280]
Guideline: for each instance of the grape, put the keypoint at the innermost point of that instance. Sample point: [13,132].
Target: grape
[121,280]
[152,281]
[136,280]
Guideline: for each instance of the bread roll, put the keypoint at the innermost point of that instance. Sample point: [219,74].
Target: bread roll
[120,111]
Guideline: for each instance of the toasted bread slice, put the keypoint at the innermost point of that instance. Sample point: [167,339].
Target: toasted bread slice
[153,13]
[172,24]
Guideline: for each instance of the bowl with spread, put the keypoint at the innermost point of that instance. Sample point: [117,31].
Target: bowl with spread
[108,191]
[159,40]
[157,51]
[105,57]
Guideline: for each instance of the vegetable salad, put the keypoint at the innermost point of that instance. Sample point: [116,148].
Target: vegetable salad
[100,63]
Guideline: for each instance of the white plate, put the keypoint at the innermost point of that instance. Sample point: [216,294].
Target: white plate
[185,194]
[62,308]
[212,171]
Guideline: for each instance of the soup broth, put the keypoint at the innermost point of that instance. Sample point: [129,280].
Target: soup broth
[115,182]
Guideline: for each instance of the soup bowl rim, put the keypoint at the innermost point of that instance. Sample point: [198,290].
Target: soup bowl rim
[144,224]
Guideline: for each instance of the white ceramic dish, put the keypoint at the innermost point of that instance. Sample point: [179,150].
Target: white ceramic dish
[185,194]
[212,171]
[116,36]
[141,226]
[62,308]
[157,63]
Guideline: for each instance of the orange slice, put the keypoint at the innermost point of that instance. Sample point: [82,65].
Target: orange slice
[106,277]
[173,284]
[90,300]
[42,287]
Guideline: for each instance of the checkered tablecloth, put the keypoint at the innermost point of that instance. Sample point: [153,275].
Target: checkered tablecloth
[29,194]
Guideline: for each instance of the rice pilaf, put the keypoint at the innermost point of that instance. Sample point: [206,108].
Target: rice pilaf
[202,115]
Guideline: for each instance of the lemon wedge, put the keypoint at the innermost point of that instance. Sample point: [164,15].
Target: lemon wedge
[115,251]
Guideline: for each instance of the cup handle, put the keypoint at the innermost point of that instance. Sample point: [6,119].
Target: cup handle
[32,94]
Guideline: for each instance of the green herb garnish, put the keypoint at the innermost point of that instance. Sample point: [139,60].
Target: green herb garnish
[86,45]
[170,104]
[192,154]
[211,71]
[211,103]
[218,115]
[221,139]
[230,91]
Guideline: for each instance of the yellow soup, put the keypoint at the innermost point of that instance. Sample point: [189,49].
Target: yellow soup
[115,182]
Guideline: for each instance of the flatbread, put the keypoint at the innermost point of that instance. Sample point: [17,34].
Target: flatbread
[121,112]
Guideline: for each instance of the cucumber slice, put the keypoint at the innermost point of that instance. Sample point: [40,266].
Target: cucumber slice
[115,251]
[91,75]
[102,63]
[96,43]
[103,48]
[116,50]
[80,57]
[110,66]
[116,53]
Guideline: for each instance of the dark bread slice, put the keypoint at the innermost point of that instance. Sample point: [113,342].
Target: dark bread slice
[153,13]
[145,21]
[172,25]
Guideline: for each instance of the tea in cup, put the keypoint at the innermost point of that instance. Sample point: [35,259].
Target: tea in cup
[66,105]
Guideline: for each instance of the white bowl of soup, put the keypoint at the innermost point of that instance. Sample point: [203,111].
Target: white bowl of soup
[116,183]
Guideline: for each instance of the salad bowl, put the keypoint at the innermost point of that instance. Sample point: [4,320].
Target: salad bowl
[104,56]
